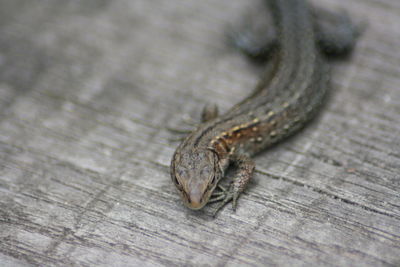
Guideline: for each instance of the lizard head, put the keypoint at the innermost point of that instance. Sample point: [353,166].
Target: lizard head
[196,174]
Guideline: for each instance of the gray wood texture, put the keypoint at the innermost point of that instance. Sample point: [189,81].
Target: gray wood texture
[87,89]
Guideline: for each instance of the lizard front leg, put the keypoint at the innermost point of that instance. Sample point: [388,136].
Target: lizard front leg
[245,169]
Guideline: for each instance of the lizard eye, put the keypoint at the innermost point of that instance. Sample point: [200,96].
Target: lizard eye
[213,180]
[180,173]
[175,180]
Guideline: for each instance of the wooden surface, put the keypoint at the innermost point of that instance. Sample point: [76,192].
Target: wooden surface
[86,91]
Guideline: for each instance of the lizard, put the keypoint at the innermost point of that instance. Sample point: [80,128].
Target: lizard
[286,98]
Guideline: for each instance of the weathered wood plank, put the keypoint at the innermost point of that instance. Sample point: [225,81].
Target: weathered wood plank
[87,89]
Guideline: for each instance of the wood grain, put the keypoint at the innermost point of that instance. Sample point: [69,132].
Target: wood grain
[87,89]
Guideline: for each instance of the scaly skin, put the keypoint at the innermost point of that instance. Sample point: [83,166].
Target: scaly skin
[282,103]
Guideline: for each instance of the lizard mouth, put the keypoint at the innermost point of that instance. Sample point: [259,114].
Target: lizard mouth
[195,205]
[196,202]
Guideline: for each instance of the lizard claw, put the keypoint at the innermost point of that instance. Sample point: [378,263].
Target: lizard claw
[225,197]
[234,200]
